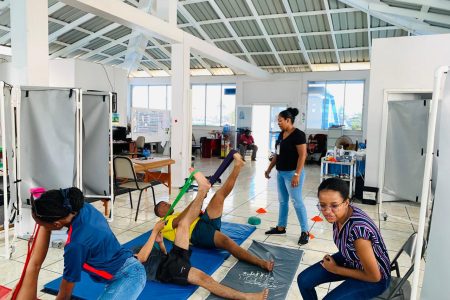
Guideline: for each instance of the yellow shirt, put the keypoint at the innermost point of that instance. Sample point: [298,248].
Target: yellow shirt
[169,232]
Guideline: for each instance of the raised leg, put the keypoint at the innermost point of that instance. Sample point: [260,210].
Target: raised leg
[215,206]
[182,234]
[224,242]
[198,277]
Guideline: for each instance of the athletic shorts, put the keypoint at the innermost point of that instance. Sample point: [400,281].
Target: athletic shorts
[175,267]
[203,233]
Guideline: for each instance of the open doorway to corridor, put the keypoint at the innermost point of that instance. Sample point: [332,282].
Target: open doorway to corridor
[263,121]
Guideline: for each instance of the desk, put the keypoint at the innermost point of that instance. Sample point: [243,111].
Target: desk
[153,163]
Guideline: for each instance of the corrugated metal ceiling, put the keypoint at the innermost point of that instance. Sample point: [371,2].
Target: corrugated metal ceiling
[298,35]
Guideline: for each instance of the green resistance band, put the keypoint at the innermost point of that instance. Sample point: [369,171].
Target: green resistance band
[182,192]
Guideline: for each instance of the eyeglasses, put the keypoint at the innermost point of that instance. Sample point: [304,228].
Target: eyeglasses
[333,207]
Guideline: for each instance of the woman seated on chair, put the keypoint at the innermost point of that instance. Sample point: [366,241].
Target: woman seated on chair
[362,260]
[91,247]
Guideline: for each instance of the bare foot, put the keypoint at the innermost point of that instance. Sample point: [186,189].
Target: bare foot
[268,265]
[263,295]
[238,161]
[203,183]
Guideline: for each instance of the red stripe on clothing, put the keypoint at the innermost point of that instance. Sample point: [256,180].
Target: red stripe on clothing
[102,274]
[69,235]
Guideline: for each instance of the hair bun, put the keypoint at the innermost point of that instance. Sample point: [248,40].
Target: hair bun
[293,111]
[76,199]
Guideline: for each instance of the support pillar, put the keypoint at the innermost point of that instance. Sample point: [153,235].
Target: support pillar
[181,129]
[29,42]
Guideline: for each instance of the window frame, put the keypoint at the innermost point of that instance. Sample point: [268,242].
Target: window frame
[344,81]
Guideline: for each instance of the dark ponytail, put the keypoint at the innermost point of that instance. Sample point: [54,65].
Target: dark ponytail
[57,204]
[289,113]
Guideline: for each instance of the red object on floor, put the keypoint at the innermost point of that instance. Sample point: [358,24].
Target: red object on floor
[261,210]
[311,236]
[316,219]
[3,292]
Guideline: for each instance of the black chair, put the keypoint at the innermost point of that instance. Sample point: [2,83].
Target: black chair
[195,146]
[400,288]
[125,178]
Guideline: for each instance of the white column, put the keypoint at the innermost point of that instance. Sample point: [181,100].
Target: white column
[166,10]
[29,42]
[181,130]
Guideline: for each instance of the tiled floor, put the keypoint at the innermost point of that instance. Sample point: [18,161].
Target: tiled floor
[250,193]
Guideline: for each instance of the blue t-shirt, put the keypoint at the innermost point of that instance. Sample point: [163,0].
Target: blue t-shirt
[92,247]
[361,226]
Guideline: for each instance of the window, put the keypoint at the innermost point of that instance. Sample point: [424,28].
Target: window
[335,103]
[151,96]
[213,104]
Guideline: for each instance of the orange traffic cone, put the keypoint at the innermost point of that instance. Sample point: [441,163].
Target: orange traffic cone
[316,219]
[261,210]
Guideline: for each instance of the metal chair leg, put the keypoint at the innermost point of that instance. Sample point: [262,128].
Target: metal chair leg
[139,203]
[154,198]
[131,200]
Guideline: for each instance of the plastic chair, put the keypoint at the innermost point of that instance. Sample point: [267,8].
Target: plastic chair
[125,178]
[400,288]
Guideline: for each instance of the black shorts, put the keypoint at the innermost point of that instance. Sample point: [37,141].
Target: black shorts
[204,231]
[175,267]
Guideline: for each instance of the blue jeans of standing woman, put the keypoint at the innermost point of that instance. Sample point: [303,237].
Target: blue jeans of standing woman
[348,290]
[285,191]
[127,283]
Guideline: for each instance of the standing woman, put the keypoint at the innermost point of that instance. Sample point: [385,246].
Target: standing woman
[91,247]
[289,160]
[362,260]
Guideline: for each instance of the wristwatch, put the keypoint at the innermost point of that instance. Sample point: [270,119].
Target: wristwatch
[295,174]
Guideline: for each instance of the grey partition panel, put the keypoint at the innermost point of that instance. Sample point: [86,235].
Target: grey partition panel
[95,143]
[47,139]
[437,268]
[406,137]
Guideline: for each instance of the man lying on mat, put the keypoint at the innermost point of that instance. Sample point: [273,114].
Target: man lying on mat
[205,228]
[91,247]
[175,267]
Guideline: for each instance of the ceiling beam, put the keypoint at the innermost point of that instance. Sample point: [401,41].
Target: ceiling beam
[273,16]
[230,28]
[129,16]
[409,13]
[406,24]
[441,4]
[265,34]
[69,26]
[333,34]
[301,44]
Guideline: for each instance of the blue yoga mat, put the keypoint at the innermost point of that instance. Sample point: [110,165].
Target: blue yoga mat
[207,260]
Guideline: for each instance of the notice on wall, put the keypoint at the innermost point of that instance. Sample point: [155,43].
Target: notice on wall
[153,124]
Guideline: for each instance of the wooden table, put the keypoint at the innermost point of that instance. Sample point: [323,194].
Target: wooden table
[148,164]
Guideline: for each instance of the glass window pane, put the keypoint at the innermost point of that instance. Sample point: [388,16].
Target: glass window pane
[316,96]
[213,97]
[157,96]
[334,104]
[354,98]
[139,96]
[169,97]
[198,104]
[228,106]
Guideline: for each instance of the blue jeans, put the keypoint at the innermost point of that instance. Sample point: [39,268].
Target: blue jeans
[127,283]
[285,190]
[349,289]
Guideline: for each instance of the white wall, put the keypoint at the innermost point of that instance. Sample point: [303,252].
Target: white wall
[399,63]
[286,89]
